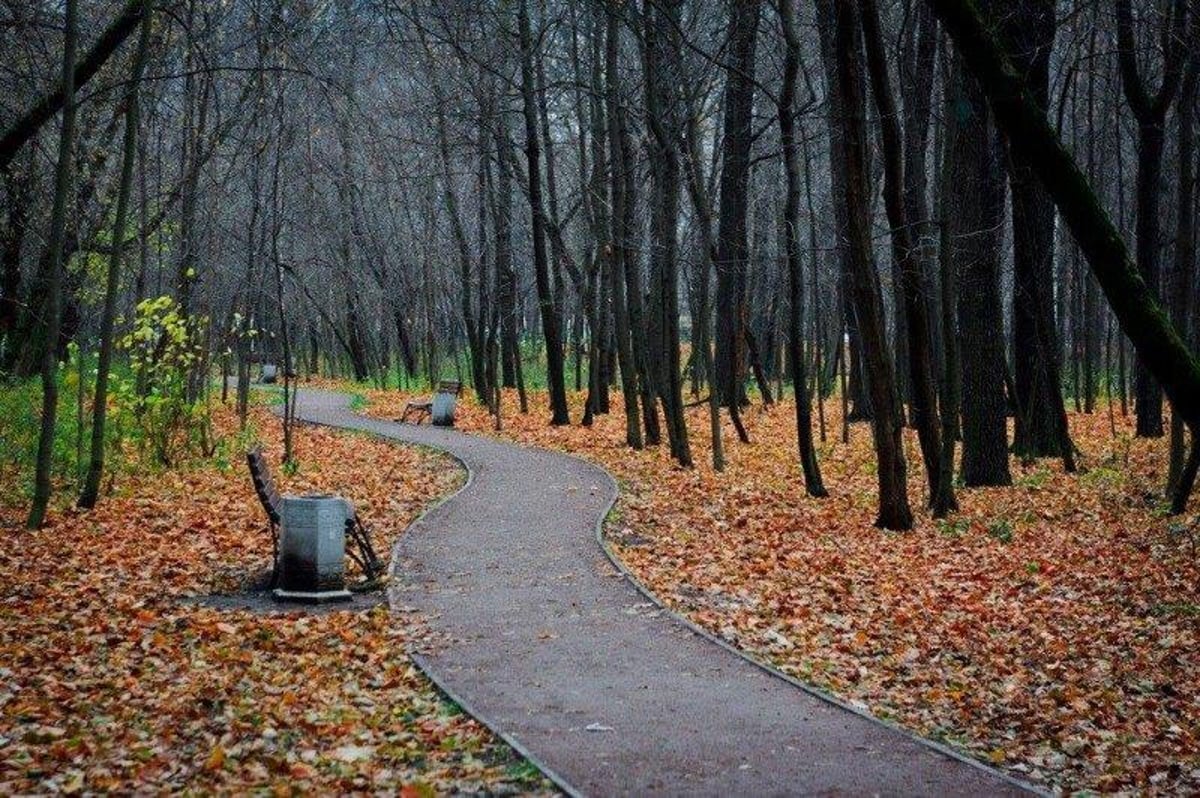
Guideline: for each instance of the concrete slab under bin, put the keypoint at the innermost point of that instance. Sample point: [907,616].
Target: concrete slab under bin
[312,549]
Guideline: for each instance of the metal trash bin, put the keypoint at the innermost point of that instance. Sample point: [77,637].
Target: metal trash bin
[312,549]
[442,412]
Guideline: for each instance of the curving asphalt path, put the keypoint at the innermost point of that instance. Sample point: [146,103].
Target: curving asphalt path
[557,651]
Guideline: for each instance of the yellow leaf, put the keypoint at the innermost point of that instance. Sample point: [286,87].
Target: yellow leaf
[216,760]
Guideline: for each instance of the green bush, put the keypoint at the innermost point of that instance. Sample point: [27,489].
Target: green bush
[166,357]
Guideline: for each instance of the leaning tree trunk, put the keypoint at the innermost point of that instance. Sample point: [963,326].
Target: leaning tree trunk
[27,125]
[894,511]
[1157,342]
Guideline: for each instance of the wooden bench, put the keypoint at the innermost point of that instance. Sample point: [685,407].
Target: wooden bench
[416,411]
[358,535]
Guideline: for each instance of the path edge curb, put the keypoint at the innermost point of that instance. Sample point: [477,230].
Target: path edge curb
[812,690]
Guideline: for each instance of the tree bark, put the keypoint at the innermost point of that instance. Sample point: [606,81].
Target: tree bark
[813,484]
[91,482]
[1183,284]
[976,201]
[615,259]
[1157,341]
[732,247]
[905,253]
[916,73]
[855,396]
[1150,111]
[53,306]
[663,114]
[450,197]
[1040,428]
[894,511]
[541,268]
[19,189]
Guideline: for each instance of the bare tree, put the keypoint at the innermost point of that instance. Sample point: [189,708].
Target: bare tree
[1150,110]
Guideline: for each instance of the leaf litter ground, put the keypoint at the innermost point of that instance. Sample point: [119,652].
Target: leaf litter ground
[111,681]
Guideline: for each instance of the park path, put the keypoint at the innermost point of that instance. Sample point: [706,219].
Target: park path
[558,652]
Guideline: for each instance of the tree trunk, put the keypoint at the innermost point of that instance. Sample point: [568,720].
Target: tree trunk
[813,484]
[506,278]
[19,188]
[1150,111]
[541,267]
[701,338]
[614,259]
[916,72]
[950,387]
[596,200]
[91,482]
[732,247]
[663,68]
[855,397]
[976,201]
[53,305]
[626,247]
[905,253]
[1183,283]
[450,197]
[1041,419]
[894,511]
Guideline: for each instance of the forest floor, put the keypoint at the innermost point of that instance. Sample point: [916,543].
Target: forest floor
[111,681]
[1050,628]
